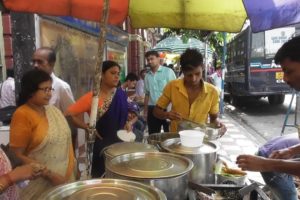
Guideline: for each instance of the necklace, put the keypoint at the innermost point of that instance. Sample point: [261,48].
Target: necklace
[106,104]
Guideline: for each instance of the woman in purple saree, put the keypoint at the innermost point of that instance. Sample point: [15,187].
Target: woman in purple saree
[112,114]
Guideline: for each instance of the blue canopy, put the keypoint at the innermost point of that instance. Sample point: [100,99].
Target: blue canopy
[270,14]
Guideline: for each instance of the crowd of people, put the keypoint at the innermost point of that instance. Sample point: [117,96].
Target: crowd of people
[40,134]
[42,140]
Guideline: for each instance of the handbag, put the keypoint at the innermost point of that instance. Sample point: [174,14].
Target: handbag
[6,114]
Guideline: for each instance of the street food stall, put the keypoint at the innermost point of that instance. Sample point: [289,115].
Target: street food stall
[169,168]
[140,171]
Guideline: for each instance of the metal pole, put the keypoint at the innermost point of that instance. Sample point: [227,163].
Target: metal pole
[297,110]
[223,74]
[205,56]
[96,86]
[288,113]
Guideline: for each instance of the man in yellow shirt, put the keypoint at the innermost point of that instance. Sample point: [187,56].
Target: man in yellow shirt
[191,97]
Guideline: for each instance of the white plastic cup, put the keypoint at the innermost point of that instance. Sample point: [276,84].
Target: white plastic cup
[191,138]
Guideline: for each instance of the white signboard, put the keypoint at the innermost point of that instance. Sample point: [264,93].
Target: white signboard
[275,38]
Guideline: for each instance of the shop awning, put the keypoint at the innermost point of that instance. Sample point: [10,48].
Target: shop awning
[269,14]
[83,9]
[214,15]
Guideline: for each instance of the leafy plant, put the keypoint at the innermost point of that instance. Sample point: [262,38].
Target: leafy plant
[215,39]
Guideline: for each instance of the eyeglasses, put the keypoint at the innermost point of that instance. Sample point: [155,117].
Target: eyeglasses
[46,89]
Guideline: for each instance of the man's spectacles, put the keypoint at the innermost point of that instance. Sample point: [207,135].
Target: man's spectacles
[47,89]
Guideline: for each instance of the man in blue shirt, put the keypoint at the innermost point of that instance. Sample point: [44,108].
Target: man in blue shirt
[155,81]
[281,184]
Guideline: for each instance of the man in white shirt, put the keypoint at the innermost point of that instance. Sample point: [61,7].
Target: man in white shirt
[7,90]
[155,81]
[62,97]
[139,88]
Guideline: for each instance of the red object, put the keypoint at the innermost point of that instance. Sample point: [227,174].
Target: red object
[9,62]
[83,9]
[162,55]
[8,45]
[6,24]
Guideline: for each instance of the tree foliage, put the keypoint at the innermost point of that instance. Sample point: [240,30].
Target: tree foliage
[214,39]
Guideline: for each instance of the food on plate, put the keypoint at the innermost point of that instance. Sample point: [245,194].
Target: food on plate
[226,171]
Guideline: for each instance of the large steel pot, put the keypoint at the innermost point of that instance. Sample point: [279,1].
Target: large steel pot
[157,138]
[168,172]
[125,148]
[203,157]
[112,189]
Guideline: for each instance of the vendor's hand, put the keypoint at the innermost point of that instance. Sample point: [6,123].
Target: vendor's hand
[282,154]
[251,163]
[222,129]
[172,115]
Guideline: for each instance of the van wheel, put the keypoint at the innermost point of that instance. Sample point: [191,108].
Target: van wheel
[227,98]
[276,99]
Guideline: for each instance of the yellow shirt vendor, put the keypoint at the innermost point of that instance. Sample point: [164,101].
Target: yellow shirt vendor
[191,97]
[207,102]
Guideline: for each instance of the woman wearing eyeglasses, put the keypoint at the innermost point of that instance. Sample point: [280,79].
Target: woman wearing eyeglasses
[40,134]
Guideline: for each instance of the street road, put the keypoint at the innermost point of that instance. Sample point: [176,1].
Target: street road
[264,119]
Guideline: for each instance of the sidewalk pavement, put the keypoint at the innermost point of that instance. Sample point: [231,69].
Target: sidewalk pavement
[236,141]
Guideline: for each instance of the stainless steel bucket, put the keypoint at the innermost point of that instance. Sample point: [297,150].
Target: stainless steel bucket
[168,172]
[203,157]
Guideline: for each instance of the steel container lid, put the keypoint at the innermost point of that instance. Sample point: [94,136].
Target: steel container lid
[150,165]
[174,146]
[155,138]
[109,189]
[128,147]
